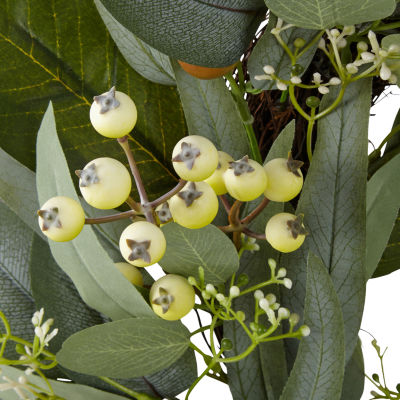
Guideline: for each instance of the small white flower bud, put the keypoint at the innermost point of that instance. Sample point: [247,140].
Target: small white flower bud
[264,305]
[283,313]
[281,273]
[241,316]
[192,280]
[271,298]
[275,306]
[46,326]
[305,330]
[220,297]
[341,43]
[234,291]
[374,42]
[287,283]
[281,85]
[335,81]
[206,295]
[50,336]
[29,371]
[271,316]
[368,56]
[262,77]
[211,289]
[295,79]
[22,380]
[323,90]
[348,30]
[321,44]
[258,294]
[362,46]
[39,333]
[383,53]
[269,69]
[272,263]
[393,79]
[385,72]
[351,68]
[294,319]
[335,33]
[317,78]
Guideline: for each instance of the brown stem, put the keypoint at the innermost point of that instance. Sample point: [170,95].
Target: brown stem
[110,218]
[167,195]
[134,205]
[237,240]
[230,228]
[252,234]
[256,211]
[233,216]
[148,212]
[225,203]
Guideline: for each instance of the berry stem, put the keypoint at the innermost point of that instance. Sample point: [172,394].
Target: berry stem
[252,234]
[256,211]
[110,218]
[233,215]
[225,203]
[138,179]
[168,195]
[133,205]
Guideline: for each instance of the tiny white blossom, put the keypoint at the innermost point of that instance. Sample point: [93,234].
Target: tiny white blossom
[335,81]
[317,78]
[275,306]
[211,289]
[37,317]
[321,44]
[264,305]
[271,316]
[269,69]
[234,291]
[374,42]
[220,297]
[22,380]
[362,46]
[351,68]
[46,326]
[287,283]
[262,78]
[341,43]
[348,30]
[335,33]
[50,336]
[272,263]
[283,313]
[305,330]
[358,63]
[258,294]
[39,333]
[295,79]
[367,56]
[271,298]
[281,273]
[385,72]
[323,90]
[281,86]
[29,371]
[294,319]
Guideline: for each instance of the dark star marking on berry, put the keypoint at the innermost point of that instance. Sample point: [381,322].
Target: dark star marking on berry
[241,167]
[107,101]
[164,214]
[187,155]
[50,218]
[190,194]
[296,226]
[87,175]
[139,250]
[294,165]
[164,300]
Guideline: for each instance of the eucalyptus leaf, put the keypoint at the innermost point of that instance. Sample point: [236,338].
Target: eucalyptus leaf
[319,367]
[268,51]
[283,143]
[210,111]
[125,349]
[68,391]
[383,204]
[211,34]
[322,14]
[98,282]
[145,60]
[354,377]
[334,207]
[188,249]
[394,141]
[63,52]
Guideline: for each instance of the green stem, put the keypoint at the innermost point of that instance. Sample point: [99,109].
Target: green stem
[310,127]
[258,286]
[212,326]
[284,336]
[286,48]
[334,104]
[393,132]
[310,44]
[122,388]
[337,55]
[296,105]
[386,27]
[195,348]
[41,374]
[239,356]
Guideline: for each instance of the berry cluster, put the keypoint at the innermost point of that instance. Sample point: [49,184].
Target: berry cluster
[205,173]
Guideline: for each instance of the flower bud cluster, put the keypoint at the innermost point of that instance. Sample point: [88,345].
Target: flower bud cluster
[41,330]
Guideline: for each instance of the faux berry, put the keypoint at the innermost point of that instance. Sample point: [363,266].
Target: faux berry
[113,114]
[245,179]
[195,206]
[194,158]
[205,72]
[130,272]
[285,232]
[142,243]
[105,183]
[61,218]
[216,180]
[284,179]
[172,297]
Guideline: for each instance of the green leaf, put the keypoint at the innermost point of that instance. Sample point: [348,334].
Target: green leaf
[283,143]
[353,383]
[145,60]
[18,190]
[321,14]
[210,111]
[188,249]
[210,34]
[392,62]
[16,300]
[383,204]
[319,367]
[391,256]
[124,349]
[268,51]
[68,391]
[334,207]
[394,141]
[83,259]
[63,52]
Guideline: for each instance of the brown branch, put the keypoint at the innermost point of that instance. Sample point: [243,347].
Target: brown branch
[252,234]
[225,203]
[233,216]
[255,212]
[110,218]
[167,195]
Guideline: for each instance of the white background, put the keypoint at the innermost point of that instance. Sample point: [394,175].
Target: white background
[382,308]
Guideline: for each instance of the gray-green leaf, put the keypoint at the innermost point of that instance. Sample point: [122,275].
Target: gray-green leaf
[125,349]
[319,367]
[354,378]
[321,14]
[100,285]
